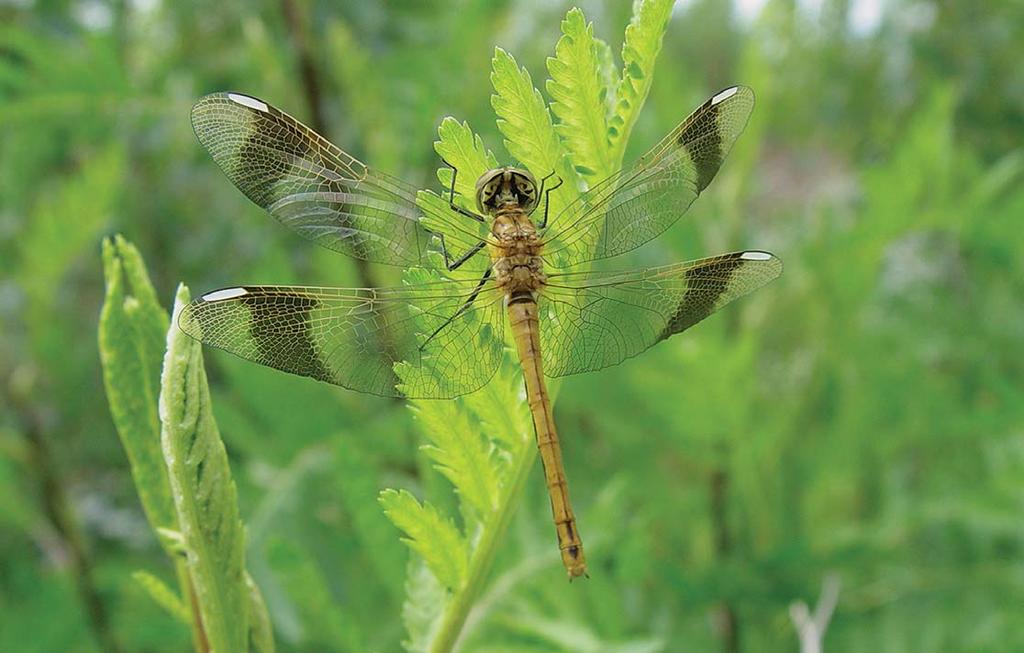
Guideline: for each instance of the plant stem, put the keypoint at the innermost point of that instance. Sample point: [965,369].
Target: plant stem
[309,74]
[58,510]
[448,637]
[728,622]
[188,593]
[294,17]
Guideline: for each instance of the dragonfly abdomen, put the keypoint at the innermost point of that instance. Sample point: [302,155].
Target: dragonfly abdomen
[522,312]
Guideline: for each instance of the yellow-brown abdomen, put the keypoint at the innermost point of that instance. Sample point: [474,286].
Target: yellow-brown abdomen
[522,311]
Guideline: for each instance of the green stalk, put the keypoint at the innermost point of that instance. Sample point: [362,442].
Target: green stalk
[188,595]
[483,554]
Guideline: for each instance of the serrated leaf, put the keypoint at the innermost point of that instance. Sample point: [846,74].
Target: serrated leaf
[261,633]
[639,51]
[204,493]
[459,452]
[579,94]
[357,482]
[162,595]
[500,408]
[568,634]
[52,239]
[526,124]
[608,73]
[131,342]
[326,625]
[460,146]
[584,78]
[425,603]
[434,537]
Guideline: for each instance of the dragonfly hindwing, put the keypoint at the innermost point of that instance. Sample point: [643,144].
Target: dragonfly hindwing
[598,319]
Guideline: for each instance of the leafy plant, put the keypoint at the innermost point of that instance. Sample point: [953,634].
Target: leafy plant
[483,443]
[177,460]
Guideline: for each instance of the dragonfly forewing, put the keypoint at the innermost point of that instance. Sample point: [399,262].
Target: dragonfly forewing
[314,187]
[637,204]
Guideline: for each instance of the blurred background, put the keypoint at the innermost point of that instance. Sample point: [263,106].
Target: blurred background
[862,418]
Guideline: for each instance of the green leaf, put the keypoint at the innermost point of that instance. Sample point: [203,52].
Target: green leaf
[579,94]
[570,634]
[163,596]
[261,633]
[524,120]
[608,73]
[507,455]
[424,606]
[326,625]
[204,493]
[489,473]
[452,621]
[460,146]
[131,342]
[639,51]
[460,453]
[357,483]
[501,408]
[429,534]
[67,221]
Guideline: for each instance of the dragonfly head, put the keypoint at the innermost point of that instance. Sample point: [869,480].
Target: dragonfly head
[503,187]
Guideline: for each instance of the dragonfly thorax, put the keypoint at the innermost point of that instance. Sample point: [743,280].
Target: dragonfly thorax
[515,250]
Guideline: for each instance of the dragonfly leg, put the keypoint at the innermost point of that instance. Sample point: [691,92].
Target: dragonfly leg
[451,197]
[462,309]
[457,263]
[547,198]
[543,181]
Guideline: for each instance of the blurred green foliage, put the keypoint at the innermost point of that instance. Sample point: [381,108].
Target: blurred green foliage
[863,415]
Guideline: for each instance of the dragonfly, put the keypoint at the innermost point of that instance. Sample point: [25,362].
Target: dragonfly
[445,336]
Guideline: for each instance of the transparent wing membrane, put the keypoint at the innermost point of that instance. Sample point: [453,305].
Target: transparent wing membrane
[593,320]
[447,334]
[635,205]
[314,187]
